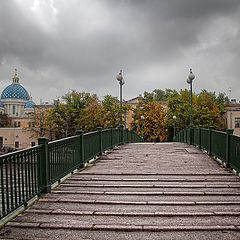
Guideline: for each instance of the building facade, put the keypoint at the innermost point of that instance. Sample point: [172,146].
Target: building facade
[16,102]
[232,117]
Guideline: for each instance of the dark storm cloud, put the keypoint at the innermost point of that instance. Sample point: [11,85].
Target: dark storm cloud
[84,43]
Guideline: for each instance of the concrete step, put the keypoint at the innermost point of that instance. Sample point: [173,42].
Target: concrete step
[146,197]
[118,223]
[135,185]
[152,191]
[122,232]
[148,211]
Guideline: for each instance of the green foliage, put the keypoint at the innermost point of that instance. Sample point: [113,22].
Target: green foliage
[159,95]
[207,110]
[83,111]
[110,111]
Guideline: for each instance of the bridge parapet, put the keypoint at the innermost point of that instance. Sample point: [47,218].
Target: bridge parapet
[28,173]
[223,145]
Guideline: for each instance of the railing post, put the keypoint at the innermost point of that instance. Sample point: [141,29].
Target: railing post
[111,133]
[119,135]
[44,171]
[81,147]
[229,132]
[191,135]
[210,140]
[99,129]
[200,138]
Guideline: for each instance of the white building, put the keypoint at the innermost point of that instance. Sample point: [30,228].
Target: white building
[16,102]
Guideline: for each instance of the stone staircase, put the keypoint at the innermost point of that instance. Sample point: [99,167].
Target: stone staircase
[141,191]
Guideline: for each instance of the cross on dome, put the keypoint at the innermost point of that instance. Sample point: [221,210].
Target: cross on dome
[15,77]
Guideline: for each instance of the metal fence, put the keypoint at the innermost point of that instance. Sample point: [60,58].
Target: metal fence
[223,145]
[28,173]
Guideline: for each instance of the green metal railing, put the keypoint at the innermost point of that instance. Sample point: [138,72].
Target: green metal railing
[223,145]
[29,173]
[19,178]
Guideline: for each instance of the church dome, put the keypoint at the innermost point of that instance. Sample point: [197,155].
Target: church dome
[29,104]
[15,90]
[1,105]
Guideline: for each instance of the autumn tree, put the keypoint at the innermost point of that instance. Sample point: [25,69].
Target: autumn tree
[71,115]
[110,111]
[93,114]
[38,122]
[207,110]
[4,120]
[151,122]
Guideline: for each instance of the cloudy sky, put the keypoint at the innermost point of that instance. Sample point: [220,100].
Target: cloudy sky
[60,45]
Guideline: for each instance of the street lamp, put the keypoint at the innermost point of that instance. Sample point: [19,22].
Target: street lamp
[142,119]
[121,83]
[174,126]
[189,81]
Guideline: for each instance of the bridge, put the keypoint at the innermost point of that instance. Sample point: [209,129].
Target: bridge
[138,191]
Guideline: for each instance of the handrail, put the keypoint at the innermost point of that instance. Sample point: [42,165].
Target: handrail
[222,145]
[28,173]
[19,178]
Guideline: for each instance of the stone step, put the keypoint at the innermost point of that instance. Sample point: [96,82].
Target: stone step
[137,202]
[68,184]
[146,198]
[130,213]
[154,177]
[153,193]
[124,233]
[222,174]
[108,223]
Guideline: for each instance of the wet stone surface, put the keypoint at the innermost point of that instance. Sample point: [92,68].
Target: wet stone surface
[140,191]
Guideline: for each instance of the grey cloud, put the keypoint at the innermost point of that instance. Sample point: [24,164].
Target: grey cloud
[90,41]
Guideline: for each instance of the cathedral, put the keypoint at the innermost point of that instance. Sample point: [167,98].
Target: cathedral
[17,104]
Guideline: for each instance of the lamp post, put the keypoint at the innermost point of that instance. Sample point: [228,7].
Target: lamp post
[142,119]
[190,78]
[121,83]
[174,126]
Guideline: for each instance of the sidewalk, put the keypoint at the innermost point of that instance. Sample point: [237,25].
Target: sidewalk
[141,191]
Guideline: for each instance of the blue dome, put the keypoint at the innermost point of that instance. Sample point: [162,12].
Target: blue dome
[29,104]
[16,91]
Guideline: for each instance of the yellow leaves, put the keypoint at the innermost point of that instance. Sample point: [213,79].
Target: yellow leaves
[151,119]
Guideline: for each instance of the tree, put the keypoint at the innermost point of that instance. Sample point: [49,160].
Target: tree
[151,122]
[79,110]
[207,110]
[93,114]
[63,120]
[4,120]
[159,95]
[110,111]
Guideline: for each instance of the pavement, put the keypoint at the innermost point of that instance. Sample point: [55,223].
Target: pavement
[140,191]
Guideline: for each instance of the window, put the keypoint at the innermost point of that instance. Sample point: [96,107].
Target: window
[19,124]
[33,144]
[14,109]
[16,144]
[237,122]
